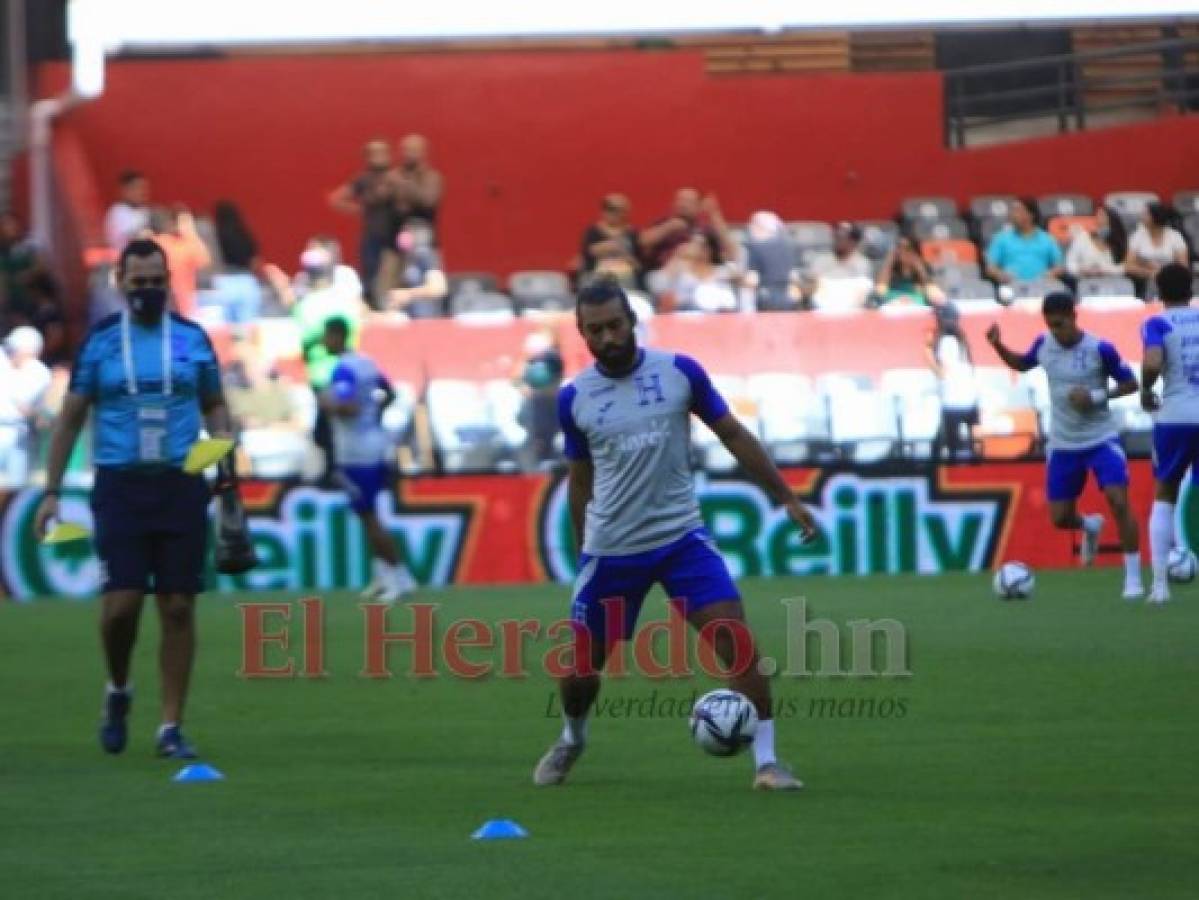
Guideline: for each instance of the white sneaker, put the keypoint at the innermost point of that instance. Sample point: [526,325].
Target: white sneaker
[377,584]
[397,585]
[1091,526]
[1159,595]
[1133,591]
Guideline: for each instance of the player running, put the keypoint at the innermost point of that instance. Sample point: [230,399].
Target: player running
[1082,433]
[626,421]
[1172,353]
[355,399]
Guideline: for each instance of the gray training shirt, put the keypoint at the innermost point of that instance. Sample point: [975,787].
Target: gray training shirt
[636,430]
[1089,364]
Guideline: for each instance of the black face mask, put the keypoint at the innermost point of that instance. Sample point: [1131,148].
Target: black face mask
[148,302]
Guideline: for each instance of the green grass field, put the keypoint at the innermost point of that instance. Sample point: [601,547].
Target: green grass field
[1047,749]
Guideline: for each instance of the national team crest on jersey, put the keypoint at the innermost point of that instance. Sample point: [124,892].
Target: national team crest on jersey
[636,431]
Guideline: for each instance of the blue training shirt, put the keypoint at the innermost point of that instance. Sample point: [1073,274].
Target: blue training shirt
[156,422]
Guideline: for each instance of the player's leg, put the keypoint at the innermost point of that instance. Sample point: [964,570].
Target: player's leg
[1110,466]
[390,580]
[178,554]
[176,655]
[699,585]
[1065,477]
[124,554]
[120,613]
[608,593]
[1174,451]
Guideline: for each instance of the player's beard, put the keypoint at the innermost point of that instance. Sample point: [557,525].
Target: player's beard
[620,358]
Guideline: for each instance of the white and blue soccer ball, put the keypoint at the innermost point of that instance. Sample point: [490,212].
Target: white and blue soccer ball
[723,722]
[1014,581]
[1181,565]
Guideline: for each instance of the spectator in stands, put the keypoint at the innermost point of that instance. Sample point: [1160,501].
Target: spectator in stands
[373,195]
[698,281]
[1154,244]
[949,356]
[235,286]
[18,261]
[692,213]
[1023,251]
[539,380]
[772,261]
[345,279]
[905,276]
[418,186]
[416,284]
[842,278]
[609,245]
[323,299]
[1098,251]
[271,415]
[130,215]
[40,308]
[175,232]
[24,382]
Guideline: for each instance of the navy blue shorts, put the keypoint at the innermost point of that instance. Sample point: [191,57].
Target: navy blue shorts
[151,530]
[1066,472]
[1175,451]
[363,485]
[690,570]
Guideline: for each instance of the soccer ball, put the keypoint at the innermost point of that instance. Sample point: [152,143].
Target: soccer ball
[1181,565]
[1014,581]
[723,722]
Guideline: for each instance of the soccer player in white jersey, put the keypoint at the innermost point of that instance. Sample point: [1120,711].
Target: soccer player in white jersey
[1082,432]
[626,420]
[1172,353]
[356,397]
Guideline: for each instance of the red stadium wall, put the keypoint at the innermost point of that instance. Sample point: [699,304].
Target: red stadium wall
[529,141]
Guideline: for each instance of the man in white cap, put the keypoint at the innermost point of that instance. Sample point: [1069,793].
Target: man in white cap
[22,391]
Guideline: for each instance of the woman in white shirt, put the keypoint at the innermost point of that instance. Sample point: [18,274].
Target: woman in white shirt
[949,356]
[1099,251]
[699,281]
[1155,244]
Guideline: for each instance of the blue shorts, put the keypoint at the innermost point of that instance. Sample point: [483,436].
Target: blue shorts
[363,485]
[690,570]
[1066,473]
[1175,451]
[151,530]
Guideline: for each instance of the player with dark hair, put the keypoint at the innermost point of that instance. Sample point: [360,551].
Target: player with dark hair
[358,393]
[626,420]
[152,379]
[1083,436]
[1171,341]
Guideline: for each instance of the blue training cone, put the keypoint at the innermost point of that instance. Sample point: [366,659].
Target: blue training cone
[499,829]
[198,772]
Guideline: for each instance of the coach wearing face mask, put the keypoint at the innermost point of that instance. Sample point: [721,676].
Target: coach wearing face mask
[151,378]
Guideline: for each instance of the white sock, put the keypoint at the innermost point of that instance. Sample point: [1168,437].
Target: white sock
[1132,568]
[113,689]
[574,730]
[1092,523]
[1161,538]
[165,725]
[764,744]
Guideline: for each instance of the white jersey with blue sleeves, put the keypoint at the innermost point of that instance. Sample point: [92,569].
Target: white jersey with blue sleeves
[1176,331]
[636,430]
[1091,364]
[359,440]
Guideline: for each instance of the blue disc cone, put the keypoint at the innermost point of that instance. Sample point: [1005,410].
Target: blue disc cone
[198,772]
[499,829]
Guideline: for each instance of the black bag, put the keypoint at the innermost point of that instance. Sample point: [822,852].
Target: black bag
[234,553]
